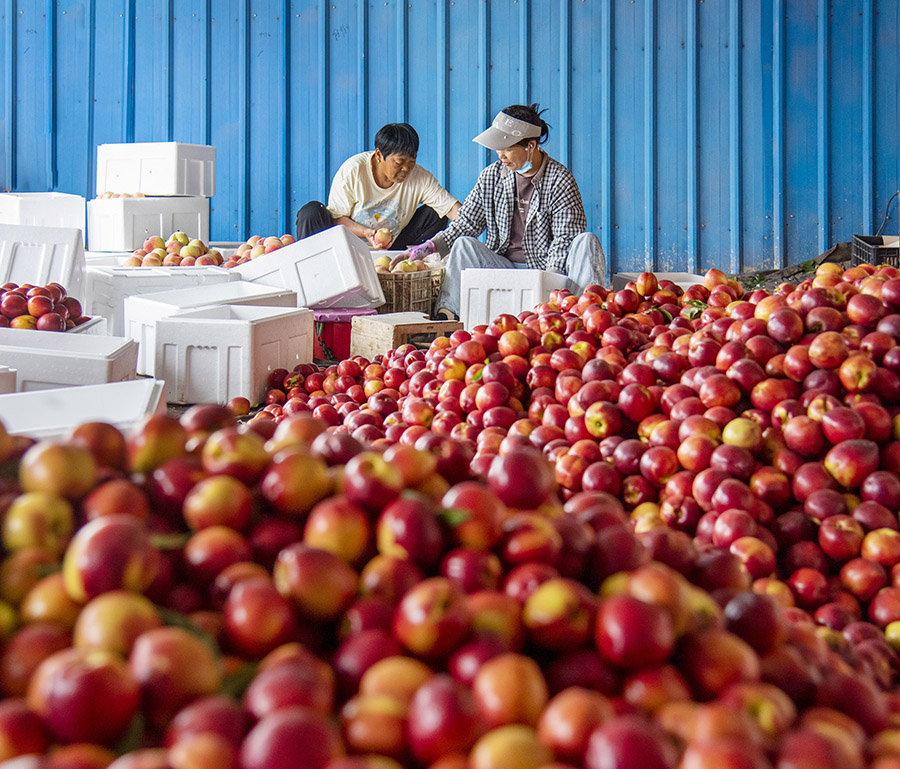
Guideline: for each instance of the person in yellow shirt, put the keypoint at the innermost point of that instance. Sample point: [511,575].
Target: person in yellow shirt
[383,189]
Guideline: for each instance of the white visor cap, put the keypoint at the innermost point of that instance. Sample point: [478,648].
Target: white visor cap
[506,131]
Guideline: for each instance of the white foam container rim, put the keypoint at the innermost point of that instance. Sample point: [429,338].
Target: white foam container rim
[52,413]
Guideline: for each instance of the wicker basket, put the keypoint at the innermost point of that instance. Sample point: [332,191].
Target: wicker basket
[410,291]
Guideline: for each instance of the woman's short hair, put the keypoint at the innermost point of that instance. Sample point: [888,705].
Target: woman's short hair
[530,113]
[397,139]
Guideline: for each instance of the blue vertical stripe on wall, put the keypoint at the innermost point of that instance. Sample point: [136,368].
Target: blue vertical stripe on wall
[823,75]
[607,104]
[8,95]
[650,132]
[692,215]
[756,137]
[887,100]
[778,133]
[800,149]
[734,134]
[50,136]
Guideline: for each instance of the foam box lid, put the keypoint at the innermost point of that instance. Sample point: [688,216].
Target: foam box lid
[329,269]
[342,314]
[42,255]
[52,413]
[235,313]
[75,345]
[212,294]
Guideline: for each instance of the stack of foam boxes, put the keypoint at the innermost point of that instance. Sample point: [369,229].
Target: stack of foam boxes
[150,188]
[213,343]
[159,188]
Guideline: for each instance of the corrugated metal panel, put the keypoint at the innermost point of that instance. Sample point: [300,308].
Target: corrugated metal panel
[735,133]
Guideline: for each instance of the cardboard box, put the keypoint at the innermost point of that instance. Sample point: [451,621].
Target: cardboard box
[330,269]
[373,335]
[42,255]
[107,287]
[485,294]
[157,168]
[42,209]
[215,354]
[142,312]
[683,279]
[45,360]
[53,413]
[123,224]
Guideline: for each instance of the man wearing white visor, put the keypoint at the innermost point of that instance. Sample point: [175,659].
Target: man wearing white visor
[529,206]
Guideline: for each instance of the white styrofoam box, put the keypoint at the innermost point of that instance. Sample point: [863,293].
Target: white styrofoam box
[47,360]
[330,269]
[7,381]
[142,312]
[682,279]
[157,168]
[42,255]
[226,249]
[107,287]
[123,224]
[215,354]
[93,327]
[485,294]
[53,413]
[96,326]
[106,258]
[119,258]
[42,209]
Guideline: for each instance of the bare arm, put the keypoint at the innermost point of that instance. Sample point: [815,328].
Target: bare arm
[454,212]
[367,233]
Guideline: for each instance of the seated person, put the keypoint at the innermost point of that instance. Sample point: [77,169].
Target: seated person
[383,188]
[531,208]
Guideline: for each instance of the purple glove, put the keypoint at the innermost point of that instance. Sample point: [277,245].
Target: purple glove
[422,250]
[414,252]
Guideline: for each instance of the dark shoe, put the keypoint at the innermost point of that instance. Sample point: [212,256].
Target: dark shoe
[443,313]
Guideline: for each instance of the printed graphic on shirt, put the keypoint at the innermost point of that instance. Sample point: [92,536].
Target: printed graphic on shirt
[384,213]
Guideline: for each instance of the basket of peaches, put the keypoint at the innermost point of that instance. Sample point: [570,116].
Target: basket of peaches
[179,250]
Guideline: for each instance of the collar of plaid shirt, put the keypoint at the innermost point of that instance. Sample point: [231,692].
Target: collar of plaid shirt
[546,239]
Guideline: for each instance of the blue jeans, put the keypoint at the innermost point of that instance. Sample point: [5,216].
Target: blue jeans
[586,264]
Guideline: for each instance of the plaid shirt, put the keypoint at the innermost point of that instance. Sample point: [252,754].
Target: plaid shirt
[555,216]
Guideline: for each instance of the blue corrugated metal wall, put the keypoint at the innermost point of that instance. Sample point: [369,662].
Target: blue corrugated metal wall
[735,133]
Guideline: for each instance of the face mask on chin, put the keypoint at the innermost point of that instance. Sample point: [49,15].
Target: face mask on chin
[526,166]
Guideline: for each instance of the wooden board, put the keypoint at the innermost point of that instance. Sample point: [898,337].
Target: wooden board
[372,335]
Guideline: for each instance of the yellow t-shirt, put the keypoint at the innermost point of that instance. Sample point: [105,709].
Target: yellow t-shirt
[355,194]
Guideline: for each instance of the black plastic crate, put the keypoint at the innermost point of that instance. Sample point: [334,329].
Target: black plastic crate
[868,249]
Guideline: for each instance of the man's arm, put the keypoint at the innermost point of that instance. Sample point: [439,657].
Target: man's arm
[454,212]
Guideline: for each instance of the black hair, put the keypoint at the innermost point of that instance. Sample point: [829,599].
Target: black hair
[530,114]
[397,139]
